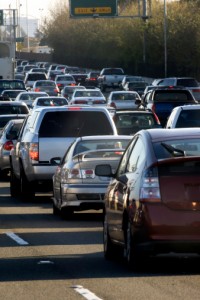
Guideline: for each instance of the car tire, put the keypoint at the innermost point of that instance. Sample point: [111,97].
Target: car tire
[26,187]
[107,244]
[133,259]
[14,185]
[111,250]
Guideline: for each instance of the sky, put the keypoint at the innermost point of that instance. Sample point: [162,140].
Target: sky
[33,8]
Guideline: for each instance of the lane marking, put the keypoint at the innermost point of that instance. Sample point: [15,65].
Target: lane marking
[45,262]
[16,238]
[85,293]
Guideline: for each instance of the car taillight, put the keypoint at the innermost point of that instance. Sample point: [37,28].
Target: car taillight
[34,151]
[8,145]
[150,188]
[37,90]
[76,173]
[99,102]
[88,173]
[156,117]
[153,108]
[80,101]
[112,104]
[59,84]
[73,173]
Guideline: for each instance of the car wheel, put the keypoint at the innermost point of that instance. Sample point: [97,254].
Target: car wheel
[111,250]
[14,185]
[133,259]
[27,192]
[107,244]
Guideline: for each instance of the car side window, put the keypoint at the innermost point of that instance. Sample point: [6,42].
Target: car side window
[122,166]
[137,156]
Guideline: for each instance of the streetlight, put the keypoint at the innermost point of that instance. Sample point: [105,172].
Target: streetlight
[27,28]
[165,37]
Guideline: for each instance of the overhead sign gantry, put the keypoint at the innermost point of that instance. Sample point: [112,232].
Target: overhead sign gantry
[93,8]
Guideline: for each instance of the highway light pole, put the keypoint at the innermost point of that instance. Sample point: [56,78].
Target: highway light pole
[165,38]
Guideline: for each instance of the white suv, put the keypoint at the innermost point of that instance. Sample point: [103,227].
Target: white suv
[48,132]
[184,116]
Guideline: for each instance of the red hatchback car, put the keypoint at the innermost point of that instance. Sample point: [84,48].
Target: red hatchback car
[152,204]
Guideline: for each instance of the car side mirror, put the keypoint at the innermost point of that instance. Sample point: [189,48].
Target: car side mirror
[55,161]
[138,101]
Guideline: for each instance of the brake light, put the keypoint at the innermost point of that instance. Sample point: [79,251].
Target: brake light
[59,84]
[73,173]
[195,90]
[74,108]
[88,173]
[8,145]
[112,104]
[150,188]
[77,101]
[99,102]
[37,90]
[156,117]
[153,108]
[34,151]
[56,90]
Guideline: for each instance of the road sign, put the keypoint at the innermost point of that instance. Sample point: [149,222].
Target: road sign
[19,39]
[93,8]
[1,17]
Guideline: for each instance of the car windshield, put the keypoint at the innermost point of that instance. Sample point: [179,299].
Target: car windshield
[190,147]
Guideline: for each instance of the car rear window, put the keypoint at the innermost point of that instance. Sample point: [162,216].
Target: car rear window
[188,118]
[190,147]
[34,77]
[187,82]
[13,109]
[75,124]
[172,96]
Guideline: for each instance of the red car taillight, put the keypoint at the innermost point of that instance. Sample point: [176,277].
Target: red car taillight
[150,188]
[156,117]
[99,102]
[34,151]
[37,90]
[80,101]
[76,173]
[112,104]
[8,145]
[153,108]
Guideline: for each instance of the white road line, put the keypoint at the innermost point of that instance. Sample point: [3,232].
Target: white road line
[85,293]
[16,238]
